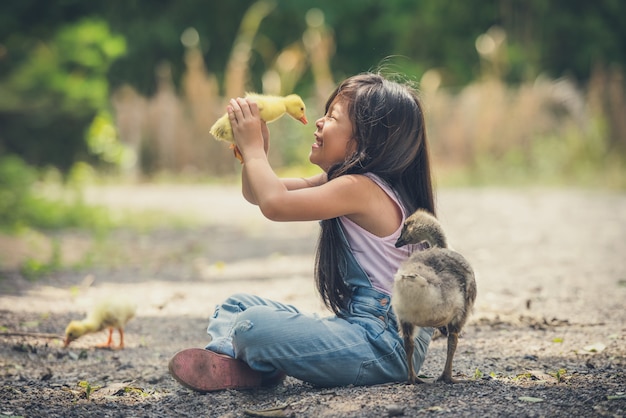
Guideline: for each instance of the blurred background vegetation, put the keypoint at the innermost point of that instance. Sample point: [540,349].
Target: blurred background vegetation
[517,91]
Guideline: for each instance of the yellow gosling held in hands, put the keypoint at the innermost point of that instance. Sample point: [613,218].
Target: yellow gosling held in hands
[270,108]
[110,314]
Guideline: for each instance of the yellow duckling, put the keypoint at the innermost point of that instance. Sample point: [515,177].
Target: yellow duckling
[110,314]
[270,108]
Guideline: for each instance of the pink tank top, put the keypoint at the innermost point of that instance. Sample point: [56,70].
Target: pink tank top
[378,256]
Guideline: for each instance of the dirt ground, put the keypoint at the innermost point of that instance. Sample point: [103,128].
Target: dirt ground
[547,337]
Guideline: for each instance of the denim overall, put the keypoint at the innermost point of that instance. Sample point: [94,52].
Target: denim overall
[360,347]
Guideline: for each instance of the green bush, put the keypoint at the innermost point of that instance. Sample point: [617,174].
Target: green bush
[51,89]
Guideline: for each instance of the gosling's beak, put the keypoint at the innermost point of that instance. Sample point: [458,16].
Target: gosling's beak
[303,120]
[66,342]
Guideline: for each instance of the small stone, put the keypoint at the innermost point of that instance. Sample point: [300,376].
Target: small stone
[395,410]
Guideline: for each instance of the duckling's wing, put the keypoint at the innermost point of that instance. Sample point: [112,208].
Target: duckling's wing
[462,270]
[447,266]
[455,269]
[443,259]
[116,313]
[270,107]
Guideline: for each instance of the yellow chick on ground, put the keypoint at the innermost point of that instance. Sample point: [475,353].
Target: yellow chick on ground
[110,313]
[270,108]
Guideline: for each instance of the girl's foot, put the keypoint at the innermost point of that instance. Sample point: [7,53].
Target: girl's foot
[205,371]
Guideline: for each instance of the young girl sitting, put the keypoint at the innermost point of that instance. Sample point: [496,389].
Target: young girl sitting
[371,145]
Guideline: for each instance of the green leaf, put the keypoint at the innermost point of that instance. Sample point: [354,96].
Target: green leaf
[560,374]
[88,388]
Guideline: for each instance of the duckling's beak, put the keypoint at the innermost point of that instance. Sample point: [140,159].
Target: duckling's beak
[303,120]
[66,342]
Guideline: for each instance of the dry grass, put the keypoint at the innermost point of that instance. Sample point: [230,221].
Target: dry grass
[488,132]
[547,131]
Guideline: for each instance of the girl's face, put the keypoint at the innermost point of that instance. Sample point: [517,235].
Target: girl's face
[333,137]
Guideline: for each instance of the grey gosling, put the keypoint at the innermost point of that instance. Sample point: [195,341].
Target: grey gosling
[432,288]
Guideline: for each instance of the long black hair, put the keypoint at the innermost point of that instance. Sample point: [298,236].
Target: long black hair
[390,138]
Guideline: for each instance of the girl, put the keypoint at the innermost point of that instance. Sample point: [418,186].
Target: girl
[371,145]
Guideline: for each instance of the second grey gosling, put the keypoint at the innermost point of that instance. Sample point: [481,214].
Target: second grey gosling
[435,287]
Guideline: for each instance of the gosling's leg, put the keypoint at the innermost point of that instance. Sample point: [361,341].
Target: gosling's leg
[109,340]
[446,376]
[409,348]
[121,331]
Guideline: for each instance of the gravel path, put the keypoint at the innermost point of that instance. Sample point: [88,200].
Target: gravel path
[547,337]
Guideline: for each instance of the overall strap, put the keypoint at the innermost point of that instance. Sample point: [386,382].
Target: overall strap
[354,275]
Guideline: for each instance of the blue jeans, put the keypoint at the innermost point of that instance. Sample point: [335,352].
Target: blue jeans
[360,347]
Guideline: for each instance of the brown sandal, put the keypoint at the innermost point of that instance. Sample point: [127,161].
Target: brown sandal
[206,371]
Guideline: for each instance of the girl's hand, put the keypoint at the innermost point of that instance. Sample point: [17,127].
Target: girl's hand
[250,132]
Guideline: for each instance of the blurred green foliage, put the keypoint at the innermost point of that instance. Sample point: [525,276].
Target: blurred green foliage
[557,37]
[21,205]
[60,60]
[103,142]
[69,71]
[50,96]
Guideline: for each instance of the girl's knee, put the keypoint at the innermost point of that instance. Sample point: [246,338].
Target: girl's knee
[256,325]
[230,307]
[253,317]
[238,299]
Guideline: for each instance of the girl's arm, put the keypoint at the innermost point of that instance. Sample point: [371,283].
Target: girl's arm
[290,183]
[245,188]
[302,182]
[290,199]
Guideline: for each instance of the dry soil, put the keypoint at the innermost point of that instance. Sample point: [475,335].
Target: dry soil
[547,337]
